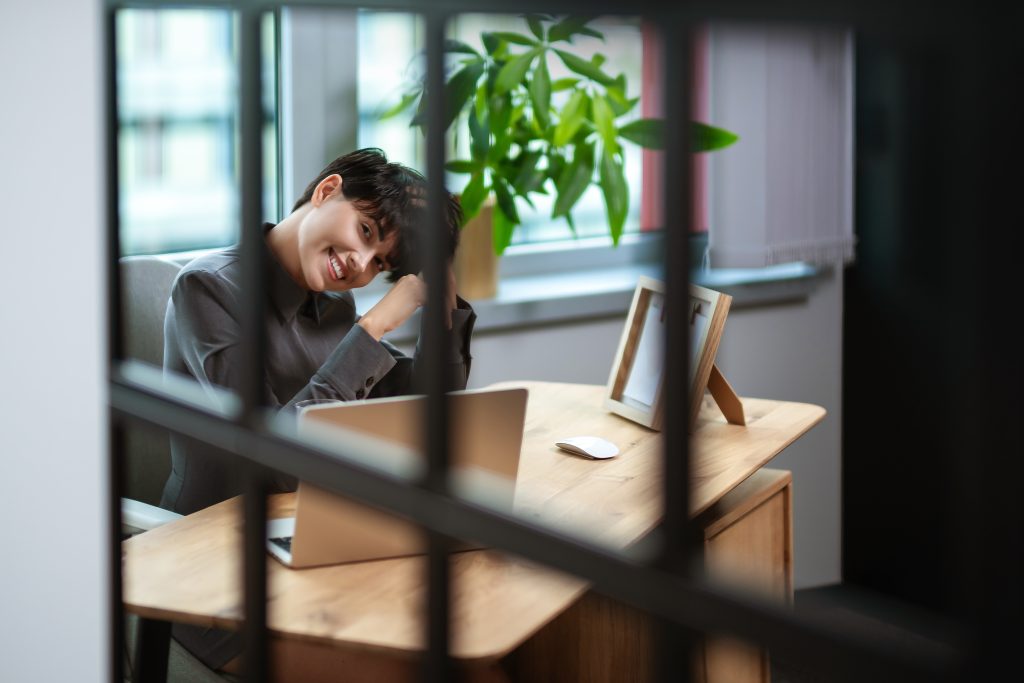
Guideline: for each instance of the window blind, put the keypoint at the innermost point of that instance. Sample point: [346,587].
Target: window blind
[784,191]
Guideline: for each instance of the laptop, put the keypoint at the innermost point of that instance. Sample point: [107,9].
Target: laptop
[486,438]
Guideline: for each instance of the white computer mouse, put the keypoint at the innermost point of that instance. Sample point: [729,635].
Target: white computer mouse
[589,446]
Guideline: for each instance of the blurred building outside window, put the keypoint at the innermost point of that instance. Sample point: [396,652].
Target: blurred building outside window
[177,92]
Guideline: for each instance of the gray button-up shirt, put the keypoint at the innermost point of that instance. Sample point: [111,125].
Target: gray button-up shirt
[314,350]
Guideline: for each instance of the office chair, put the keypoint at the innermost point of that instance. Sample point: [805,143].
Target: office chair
[146,285]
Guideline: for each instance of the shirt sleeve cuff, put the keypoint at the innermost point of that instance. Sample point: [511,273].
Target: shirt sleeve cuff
[463,319]
[356,365]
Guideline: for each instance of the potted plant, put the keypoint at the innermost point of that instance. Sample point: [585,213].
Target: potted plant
[525,139]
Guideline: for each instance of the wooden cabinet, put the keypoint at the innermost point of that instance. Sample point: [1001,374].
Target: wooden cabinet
[748,540]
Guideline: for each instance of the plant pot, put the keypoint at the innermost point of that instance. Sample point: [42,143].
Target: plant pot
[476,265]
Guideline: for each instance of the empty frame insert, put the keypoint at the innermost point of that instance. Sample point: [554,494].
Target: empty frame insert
[635,386]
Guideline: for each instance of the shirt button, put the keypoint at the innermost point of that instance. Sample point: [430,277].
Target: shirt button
[369,381]
[360,393]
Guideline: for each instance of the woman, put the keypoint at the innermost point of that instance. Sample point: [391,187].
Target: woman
[361,216]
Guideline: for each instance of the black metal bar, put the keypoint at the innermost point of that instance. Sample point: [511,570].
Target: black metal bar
[908,18]
[115,483]
[677,536]
[680,553]
[115,344]
[693,603]
[250,175]
[152,648]
[437,663]
[254,259]
[436,263]
[256,656]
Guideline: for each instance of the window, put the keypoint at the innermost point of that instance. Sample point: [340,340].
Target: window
[177,129]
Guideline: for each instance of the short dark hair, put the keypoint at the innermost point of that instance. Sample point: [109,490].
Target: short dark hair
[394,197]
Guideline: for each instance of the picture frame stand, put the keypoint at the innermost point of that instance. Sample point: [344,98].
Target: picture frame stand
[726,398]
[635,387]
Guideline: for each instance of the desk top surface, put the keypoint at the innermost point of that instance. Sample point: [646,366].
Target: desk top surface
[190,570]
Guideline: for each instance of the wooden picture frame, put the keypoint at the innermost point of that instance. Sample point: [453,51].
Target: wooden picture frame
[635,385]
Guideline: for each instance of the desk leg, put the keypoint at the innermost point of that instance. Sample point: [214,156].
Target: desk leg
[152,646]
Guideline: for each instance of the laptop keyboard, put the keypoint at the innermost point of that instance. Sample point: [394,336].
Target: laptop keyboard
[285,543]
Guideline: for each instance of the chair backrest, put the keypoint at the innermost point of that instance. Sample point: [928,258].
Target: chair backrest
[146,285]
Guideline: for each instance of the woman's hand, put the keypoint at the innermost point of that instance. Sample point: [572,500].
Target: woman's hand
[401,301]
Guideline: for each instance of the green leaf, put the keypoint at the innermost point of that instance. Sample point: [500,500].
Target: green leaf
[514,71]
[517,38]
[540,93]
[586,128]
[598,59]
[501,231]
[621,108]
[501,113]
[705,138]
[564,84]
[505,200]
[536,27]
[586,30]
[618,101]
[516,116]
[574,180]
[473,196]
[585,68]
[451,45]
[490,41]
[481,104]
[527,176]
[556,164]
[499,150]
[645,132]
[604,120]
[573,115]
[462,166]
[459,89]
[407,99]
[616,193]
[571,222]
[420,117]
[492,77]
[479,136]
[568,27]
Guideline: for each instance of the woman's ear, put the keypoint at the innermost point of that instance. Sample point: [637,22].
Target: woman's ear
[326,188]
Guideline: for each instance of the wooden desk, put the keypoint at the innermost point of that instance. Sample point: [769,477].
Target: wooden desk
[190,570]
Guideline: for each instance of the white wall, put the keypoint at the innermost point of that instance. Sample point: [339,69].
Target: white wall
[560,353]
[793,352]
[788,351]
[53,588]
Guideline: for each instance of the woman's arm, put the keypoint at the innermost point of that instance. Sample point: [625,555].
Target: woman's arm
[204,333]
[408,375]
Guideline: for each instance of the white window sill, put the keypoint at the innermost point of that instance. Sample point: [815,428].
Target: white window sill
[537,289]
[566,297]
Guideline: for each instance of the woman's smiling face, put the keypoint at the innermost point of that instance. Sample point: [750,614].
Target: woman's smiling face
[340,248]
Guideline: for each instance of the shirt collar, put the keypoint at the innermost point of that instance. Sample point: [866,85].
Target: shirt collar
[287,295]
